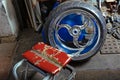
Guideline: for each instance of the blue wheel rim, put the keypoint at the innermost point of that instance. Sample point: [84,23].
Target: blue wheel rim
[63,39]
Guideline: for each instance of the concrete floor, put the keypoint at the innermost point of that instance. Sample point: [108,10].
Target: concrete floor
[6,57]
[99,67]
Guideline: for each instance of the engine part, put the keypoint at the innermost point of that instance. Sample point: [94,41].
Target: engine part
[116,30]
[77,29]
[110,10]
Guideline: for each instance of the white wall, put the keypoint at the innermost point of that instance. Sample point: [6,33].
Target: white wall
[8,20]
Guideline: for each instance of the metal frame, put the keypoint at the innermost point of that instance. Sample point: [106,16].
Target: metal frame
[47,76]
[34,14]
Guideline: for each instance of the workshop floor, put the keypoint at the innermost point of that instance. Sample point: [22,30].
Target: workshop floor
[99,67]
[6,56]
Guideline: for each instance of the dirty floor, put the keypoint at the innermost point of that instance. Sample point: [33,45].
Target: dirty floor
[100,67]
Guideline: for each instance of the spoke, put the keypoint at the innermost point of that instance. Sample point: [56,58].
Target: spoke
[76,42]
[64,26]
[85,25]
[75,32]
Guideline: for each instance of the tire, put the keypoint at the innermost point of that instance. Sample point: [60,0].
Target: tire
[79,29]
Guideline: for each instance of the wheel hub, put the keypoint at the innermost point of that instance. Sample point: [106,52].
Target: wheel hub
[75,31]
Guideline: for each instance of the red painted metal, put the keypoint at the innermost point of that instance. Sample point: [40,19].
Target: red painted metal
[47,58]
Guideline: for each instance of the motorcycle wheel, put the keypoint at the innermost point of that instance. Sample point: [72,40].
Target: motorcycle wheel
[79,29]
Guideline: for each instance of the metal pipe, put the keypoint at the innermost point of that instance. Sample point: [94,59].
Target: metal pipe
[15,69]
[99,4]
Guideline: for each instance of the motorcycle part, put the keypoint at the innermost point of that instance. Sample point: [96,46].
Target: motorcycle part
[116,30]
[112,18]
[76,28]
